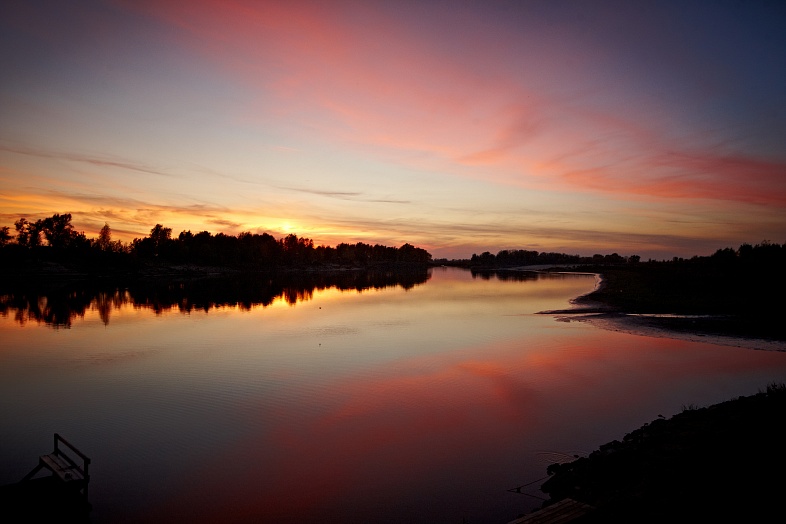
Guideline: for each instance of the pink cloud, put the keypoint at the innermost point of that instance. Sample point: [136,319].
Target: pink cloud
[352,72]
[702,175]
[368,78]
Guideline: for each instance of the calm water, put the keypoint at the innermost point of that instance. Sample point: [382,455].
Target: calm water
[421,402]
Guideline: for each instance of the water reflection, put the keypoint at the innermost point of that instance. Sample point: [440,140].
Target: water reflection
[504,275]
[520,275]
[60,306]
[424,405]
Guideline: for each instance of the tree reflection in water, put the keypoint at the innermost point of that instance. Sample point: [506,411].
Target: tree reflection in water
[58,305]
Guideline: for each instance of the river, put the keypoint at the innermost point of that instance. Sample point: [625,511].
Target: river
[422,399]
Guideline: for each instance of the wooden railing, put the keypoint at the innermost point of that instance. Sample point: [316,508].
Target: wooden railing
[64,464]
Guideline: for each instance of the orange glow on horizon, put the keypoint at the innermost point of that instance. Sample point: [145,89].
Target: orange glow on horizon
[459,130]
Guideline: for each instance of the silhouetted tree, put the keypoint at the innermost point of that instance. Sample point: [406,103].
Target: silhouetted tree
[104,241]
[160,237]
[413,255]
[5,235]
[58,231]
[28,234]
[247,250]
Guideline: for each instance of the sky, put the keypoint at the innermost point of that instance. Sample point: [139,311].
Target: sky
[651,128]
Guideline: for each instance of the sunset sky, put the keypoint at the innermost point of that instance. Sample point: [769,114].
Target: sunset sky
[652,128]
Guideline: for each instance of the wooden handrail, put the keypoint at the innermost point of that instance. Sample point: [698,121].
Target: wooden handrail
[62,465]
[84,457]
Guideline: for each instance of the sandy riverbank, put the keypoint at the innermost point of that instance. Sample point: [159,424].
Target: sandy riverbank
[726,330]
[696,329]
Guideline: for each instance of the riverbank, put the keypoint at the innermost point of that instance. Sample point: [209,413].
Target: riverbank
[719,462]
[715,463]
[694,328]
[683,303]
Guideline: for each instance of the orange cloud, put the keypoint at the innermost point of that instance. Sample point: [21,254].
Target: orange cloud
[452,128]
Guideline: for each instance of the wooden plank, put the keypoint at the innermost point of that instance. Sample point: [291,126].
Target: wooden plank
[62,468]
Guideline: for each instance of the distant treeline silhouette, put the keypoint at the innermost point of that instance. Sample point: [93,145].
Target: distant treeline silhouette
[58,306]
[764,254]
[54,239]
[522,257]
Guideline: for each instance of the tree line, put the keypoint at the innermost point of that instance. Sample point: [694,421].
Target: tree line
[765,253]
[523,257]
[55,239]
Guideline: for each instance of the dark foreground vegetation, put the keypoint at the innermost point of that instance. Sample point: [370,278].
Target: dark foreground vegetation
[734,292]
[723,463]
[53,246]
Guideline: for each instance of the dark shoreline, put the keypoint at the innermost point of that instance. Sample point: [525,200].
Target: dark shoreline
[710,330]
[721,462]
[617,304]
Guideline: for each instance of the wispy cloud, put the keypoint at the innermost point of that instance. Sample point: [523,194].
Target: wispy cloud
[454,126]
[226,223]
[347,195]
[100,161]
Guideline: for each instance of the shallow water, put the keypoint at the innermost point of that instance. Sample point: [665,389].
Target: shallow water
[422,403]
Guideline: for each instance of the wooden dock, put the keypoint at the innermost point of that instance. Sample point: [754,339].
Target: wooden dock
[60,496]
[63,462]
